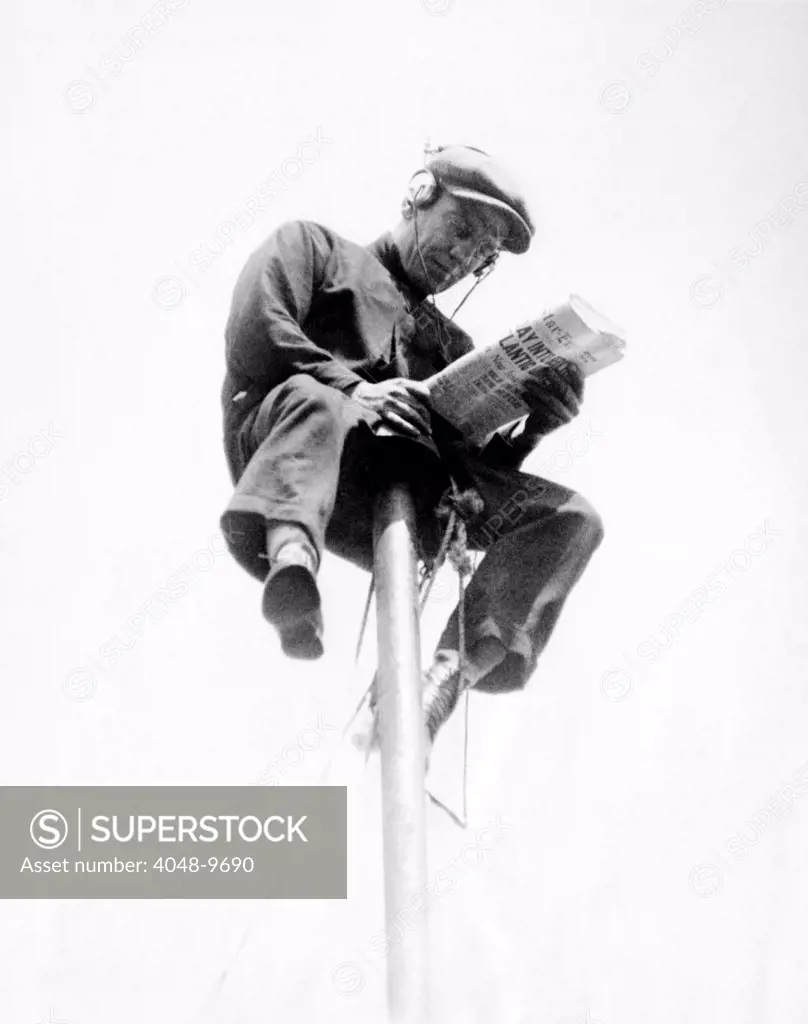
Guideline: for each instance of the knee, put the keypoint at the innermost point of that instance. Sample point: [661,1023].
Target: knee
[300,402]
[304,385]
[301,390]
[589,521]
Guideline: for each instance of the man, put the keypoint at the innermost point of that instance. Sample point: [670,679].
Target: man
[327,341]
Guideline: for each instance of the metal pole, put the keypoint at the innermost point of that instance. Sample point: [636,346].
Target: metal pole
[401,739]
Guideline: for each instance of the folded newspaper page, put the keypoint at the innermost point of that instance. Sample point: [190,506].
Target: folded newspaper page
[482,391]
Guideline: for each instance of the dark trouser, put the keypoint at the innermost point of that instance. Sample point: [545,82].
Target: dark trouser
[308,457]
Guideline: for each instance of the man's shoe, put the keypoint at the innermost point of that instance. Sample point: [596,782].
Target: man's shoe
[291,601]
[443,685]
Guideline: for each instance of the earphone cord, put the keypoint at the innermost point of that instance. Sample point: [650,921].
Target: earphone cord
[479,278]
[479,275]
[430,282]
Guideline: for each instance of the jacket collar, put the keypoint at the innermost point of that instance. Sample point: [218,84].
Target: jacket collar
[386,252]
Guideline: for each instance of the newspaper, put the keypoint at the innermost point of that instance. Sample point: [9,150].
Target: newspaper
[482,390]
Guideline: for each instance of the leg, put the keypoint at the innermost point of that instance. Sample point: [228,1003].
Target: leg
[277,518]
[293,459]
[311,466]
[538,538]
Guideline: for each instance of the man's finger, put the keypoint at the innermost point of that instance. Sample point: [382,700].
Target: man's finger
[414,389]
[401,425]
[410,396]
[540,392]
[575,376]
[412,415]
[534,390]
[413,410]
[558,377]
[563,389]
[548,381]
[549,405]
[417,406]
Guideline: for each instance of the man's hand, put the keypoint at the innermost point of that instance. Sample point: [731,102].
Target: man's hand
[554,397]
[403,404]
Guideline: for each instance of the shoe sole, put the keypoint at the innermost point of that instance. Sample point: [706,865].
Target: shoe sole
[291,603]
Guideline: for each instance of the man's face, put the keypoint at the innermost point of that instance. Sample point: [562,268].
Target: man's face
[455,237]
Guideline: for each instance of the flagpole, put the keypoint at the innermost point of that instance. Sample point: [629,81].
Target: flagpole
[401,740]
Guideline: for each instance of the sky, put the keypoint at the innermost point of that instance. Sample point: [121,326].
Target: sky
[648,784]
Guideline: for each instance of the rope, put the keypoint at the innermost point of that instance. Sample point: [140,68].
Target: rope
[466,505]
[365,616]
[460,821]
[456,508]
[357,653]
[431,572]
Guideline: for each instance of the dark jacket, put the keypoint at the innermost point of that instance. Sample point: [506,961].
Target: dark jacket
[309,301]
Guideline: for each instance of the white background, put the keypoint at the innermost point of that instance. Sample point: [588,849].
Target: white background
[620,778]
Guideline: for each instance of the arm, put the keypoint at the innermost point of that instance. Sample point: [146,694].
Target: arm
[273,297]
[510,445]
[555,400]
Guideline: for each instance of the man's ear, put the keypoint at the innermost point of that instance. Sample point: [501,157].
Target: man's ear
[406,208]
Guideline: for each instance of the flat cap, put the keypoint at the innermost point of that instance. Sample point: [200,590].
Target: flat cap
[470,173]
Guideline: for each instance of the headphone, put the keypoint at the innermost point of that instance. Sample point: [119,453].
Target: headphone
[424,188]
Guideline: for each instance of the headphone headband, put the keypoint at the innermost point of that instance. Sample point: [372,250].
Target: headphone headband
[424,188]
